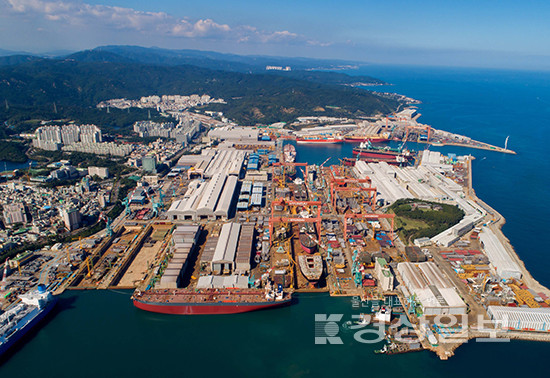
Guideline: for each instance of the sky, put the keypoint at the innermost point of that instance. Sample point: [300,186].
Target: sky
[482,33]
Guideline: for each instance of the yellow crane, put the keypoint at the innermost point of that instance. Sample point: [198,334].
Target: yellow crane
[292,263]
[90,266]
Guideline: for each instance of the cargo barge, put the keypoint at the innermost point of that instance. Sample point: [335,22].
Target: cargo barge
[210,301]
[17,321]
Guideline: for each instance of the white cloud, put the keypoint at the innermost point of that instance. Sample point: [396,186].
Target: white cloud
[81,14]
[200,28]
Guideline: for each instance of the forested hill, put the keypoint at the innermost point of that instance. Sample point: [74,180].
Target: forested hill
[252,98]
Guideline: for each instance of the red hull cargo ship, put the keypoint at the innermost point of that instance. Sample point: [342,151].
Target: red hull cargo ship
[208,301]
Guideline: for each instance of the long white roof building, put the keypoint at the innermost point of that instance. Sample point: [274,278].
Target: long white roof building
[499,257]
[432,289]
[520,318]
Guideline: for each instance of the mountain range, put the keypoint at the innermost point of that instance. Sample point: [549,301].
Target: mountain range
[254,95]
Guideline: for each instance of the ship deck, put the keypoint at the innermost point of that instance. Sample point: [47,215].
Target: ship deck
[199,296]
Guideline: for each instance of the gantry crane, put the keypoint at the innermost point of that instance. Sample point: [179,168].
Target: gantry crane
[278,219]
[426,128]
[287,164]
[341,184]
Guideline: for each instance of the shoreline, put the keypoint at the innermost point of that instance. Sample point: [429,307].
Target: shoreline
[447,348]
[496,227]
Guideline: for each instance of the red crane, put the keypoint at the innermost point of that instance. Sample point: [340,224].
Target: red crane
[408,128]
[278,219]
[341,184]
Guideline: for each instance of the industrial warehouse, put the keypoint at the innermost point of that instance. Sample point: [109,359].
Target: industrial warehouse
[520,319]
[435,293]
[211,199]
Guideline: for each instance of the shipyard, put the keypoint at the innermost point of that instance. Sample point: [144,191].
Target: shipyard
[241,223]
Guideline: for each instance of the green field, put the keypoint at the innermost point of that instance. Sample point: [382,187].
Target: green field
[416,218]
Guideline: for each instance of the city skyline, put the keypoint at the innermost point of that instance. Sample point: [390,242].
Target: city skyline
[497,35]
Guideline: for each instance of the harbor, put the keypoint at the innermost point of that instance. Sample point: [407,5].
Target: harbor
[250,219]
[402,126]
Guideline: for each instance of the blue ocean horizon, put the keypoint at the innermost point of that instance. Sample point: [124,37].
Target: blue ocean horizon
[100,333]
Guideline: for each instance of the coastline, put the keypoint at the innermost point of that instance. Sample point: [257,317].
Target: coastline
[496,227]
[450,343]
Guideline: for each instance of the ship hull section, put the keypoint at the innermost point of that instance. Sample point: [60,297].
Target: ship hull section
[207,308]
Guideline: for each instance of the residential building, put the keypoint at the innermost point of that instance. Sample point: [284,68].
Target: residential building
[71,218]
[101,172]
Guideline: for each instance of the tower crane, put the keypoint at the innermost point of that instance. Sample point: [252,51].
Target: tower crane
[126,204]
[108,223]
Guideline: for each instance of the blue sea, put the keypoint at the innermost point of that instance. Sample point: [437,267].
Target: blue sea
[101,334]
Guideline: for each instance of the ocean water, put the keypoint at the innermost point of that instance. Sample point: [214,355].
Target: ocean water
[100,333]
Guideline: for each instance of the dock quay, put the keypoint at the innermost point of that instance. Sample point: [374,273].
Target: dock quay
[402,126]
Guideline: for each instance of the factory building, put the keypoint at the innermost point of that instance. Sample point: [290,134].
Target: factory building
[210,162]
[425,182]
[213,199]
[228,253]
[454,233]
[222,282]
[256,198]
[433,291]
[244,250]
[210,197]
[223,261]
[520,318]
[225,203]
[241,134]
[500,259]
[383,178]
[186,208]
